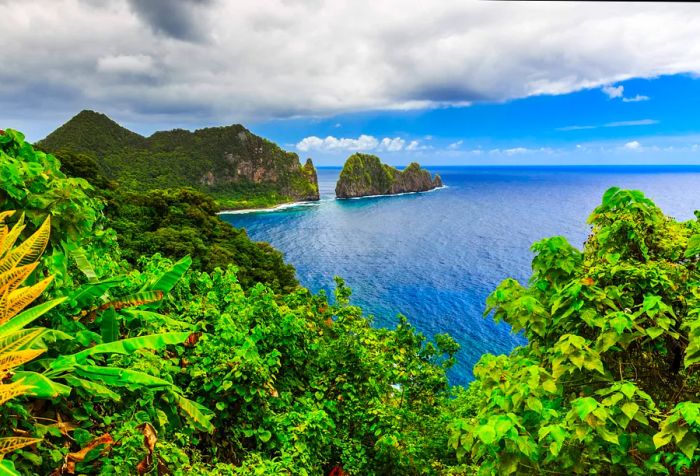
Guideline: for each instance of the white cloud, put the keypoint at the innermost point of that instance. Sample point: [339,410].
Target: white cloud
[330,143]
[633,145]
[613,91]
[226,61]
[637,98]
[392,145]
[640,122]
[363,143]
[618,92]
[455,145]
[126,64]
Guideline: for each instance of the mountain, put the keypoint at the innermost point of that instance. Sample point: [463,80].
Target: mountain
[238,168]
[364,174]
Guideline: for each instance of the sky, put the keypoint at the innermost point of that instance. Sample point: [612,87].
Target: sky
[441,83]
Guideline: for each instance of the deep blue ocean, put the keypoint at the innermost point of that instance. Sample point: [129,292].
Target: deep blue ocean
[435,256]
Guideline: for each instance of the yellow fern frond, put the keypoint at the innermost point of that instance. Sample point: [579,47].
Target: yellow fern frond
[5,215]
[9,241]
[12,390]
[14,302]
[10,280]
[34,246]
[16,340]
[7,445]
[18,357]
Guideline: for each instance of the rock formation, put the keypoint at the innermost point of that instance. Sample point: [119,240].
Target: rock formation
[364,174]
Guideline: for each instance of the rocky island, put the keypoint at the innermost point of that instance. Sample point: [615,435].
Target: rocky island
[238,168]
[365,174]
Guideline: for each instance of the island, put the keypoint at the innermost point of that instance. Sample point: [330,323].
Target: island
[238,168]
[365,175]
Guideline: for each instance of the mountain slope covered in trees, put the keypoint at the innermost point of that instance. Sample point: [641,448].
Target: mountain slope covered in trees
[238,168]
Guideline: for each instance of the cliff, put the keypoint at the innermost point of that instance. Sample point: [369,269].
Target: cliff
[364,174]
[237,167]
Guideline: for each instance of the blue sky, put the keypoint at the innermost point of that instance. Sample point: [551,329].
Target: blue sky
[634,121]
[442,83]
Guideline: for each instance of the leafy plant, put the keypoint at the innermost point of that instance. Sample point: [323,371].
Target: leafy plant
[608,381]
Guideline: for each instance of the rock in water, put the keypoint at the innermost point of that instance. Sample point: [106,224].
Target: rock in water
[364,174]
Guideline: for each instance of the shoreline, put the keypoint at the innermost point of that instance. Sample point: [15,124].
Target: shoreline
[309,203]
[392,194]
[282,206]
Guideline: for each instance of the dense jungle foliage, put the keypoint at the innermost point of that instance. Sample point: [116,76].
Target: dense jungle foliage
[238,168]
[179,222]
[149,366]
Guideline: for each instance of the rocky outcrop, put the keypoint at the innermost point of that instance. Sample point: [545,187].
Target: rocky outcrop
[364,175]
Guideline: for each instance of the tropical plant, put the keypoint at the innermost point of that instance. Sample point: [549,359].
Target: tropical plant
[17,263]
[608,382]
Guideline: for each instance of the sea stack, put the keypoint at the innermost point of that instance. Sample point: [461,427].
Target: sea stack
[365,174]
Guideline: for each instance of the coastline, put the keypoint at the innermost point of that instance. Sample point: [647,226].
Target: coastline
[392,194]
[310,203]
[282,206]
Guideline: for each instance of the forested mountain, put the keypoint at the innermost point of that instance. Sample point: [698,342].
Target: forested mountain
[238,168]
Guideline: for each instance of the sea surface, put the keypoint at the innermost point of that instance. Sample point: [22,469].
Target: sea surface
[434,257]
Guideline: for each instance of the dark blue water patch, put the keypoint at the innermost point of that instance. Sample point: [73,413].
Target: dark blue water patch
[436,256]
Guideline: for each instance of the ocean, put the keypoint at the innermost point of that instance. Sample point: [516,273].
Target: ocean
[435,256]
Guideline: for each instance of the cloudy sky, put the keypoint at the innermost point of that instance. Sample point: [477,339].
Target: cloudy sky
[449,82]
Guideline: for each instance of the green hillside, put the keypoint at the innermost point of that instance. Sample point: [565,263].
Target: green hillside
[238,168]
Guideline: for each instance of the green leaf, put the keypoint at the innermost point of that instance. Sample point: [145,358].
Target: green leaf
[654,332]
[42,386]
[264,435]
[662,438]
[168,280]
[24,318]
[584,406]
[693,246]
[688,445]
[96,390]
[124,346]
[630,409]
[83,264]
[7,468]
[109,327]
[121,377]
[486,433]
[200,414]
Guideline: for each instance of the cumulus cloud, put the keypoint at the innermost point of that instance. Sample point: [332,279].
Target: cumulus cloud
[455,145]
[633,145]
[613,91]
[618,92]
[363,143]
[218,61]
[637,98]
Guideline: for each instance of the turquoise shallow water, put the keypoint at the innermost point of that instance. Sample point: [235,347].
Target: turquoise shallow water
[435,256]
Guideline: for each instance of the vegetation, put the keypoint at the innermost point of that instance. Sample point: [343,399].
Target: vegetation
[145,365]
[177,223]
[365,174]
[608,383]
[239,168]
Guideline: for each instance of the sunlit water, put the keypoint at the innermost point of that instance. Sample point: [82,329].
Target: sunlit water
[435,256]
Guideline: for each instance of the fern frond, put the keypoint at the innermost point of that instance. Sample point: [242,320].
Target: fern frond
[16,358]
[32,248]
[10,280]
[11,390]
[7,445]
[5,215]
[11,304]
[9,241]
